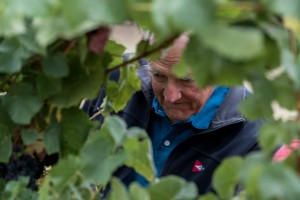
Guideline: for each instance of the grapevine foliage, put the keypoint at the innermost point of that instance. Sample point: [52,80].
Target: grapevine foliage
[54,55]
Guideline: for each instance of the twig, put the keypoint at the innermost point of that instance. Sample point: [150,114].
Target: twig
[144,54]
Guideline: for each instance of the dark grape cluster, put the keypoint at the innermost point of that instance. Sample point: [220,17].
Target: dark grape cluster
[22,165]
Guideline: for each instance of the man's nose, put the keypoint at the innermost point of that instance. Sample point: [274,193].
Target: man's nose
[172,92]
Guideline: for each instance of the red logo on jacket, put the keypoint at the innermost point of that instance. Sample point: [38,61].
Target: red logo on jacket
[198,167]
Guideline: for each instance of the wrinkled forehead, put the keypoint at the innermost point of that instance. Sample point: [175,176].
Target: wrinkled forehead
[170,56]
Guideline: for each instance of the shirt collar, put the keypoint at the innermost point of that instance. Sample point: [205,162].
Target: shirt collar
[203,118]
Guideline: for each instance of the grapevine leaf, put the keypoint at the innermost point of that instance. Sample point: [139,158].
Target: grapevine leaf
[6,128]
[142,47]
[52,133]
[29,136]
[284,88]
[47,86]
[209,68]
[172,187]
[5,148]
[113,53]
[28,8]
[279,182]
[291,65]
[264,93]
[75,127]
[82,82]
[114,48]
[251,172]
[139,149]
[64,172]
[114,127]
[118,190]
[100,172]
[235,43]
[285,7]
[22,103]
[126,86]
[143,17]
[270,136]
[11,55]
[274,134]
[226,177]
[137,192]
[6,124]
[44,189]
[55,66]
[182,15]
[10,61]
[71,18]
[208,196]
[11,24]
[29,42]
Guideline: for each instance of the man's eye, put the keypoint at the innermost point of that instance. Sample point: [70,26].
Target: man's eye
[158,76]
[187,79]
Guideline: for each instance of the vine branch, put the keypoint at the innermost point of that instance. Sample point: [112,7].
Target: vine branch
[144,54]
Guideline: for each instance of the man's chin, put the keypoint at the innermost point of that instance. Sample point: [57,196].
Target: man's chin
[177,116]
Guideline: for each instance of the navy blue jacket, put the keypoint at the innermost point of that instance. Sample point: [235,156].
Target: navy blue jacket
[229,134]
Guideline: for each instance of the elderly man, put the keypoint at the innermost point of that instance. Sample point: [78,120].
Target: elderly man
[192,129]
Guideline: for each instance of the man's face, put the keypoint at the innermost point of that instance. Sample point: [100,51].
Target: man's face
[179,97]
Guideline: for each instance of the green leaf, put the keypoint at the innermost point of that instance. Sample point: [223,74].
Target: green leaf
[138,192]
[29,42]
[118,190]
[29,136]
[270,136]
[264,93]
[64,173]
[83,82]
[279,182]
[100,172]
[274,134]
[208,196]
[126,86]
[22,103]
[51,137]
[285,7]
[172,188]
[114,48]
[285,92]
[182,15]
[44,189]
[55,65]
[114,127]
[292,66]
[139,149]
[10,61]
[5,148]
[70,18]
[235,43]
[18,190]
[209,68]
[47,86]
[6,124]
[75,128]
[142,47]
[226,177]
[251,172]
[140,11]
[11,55]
